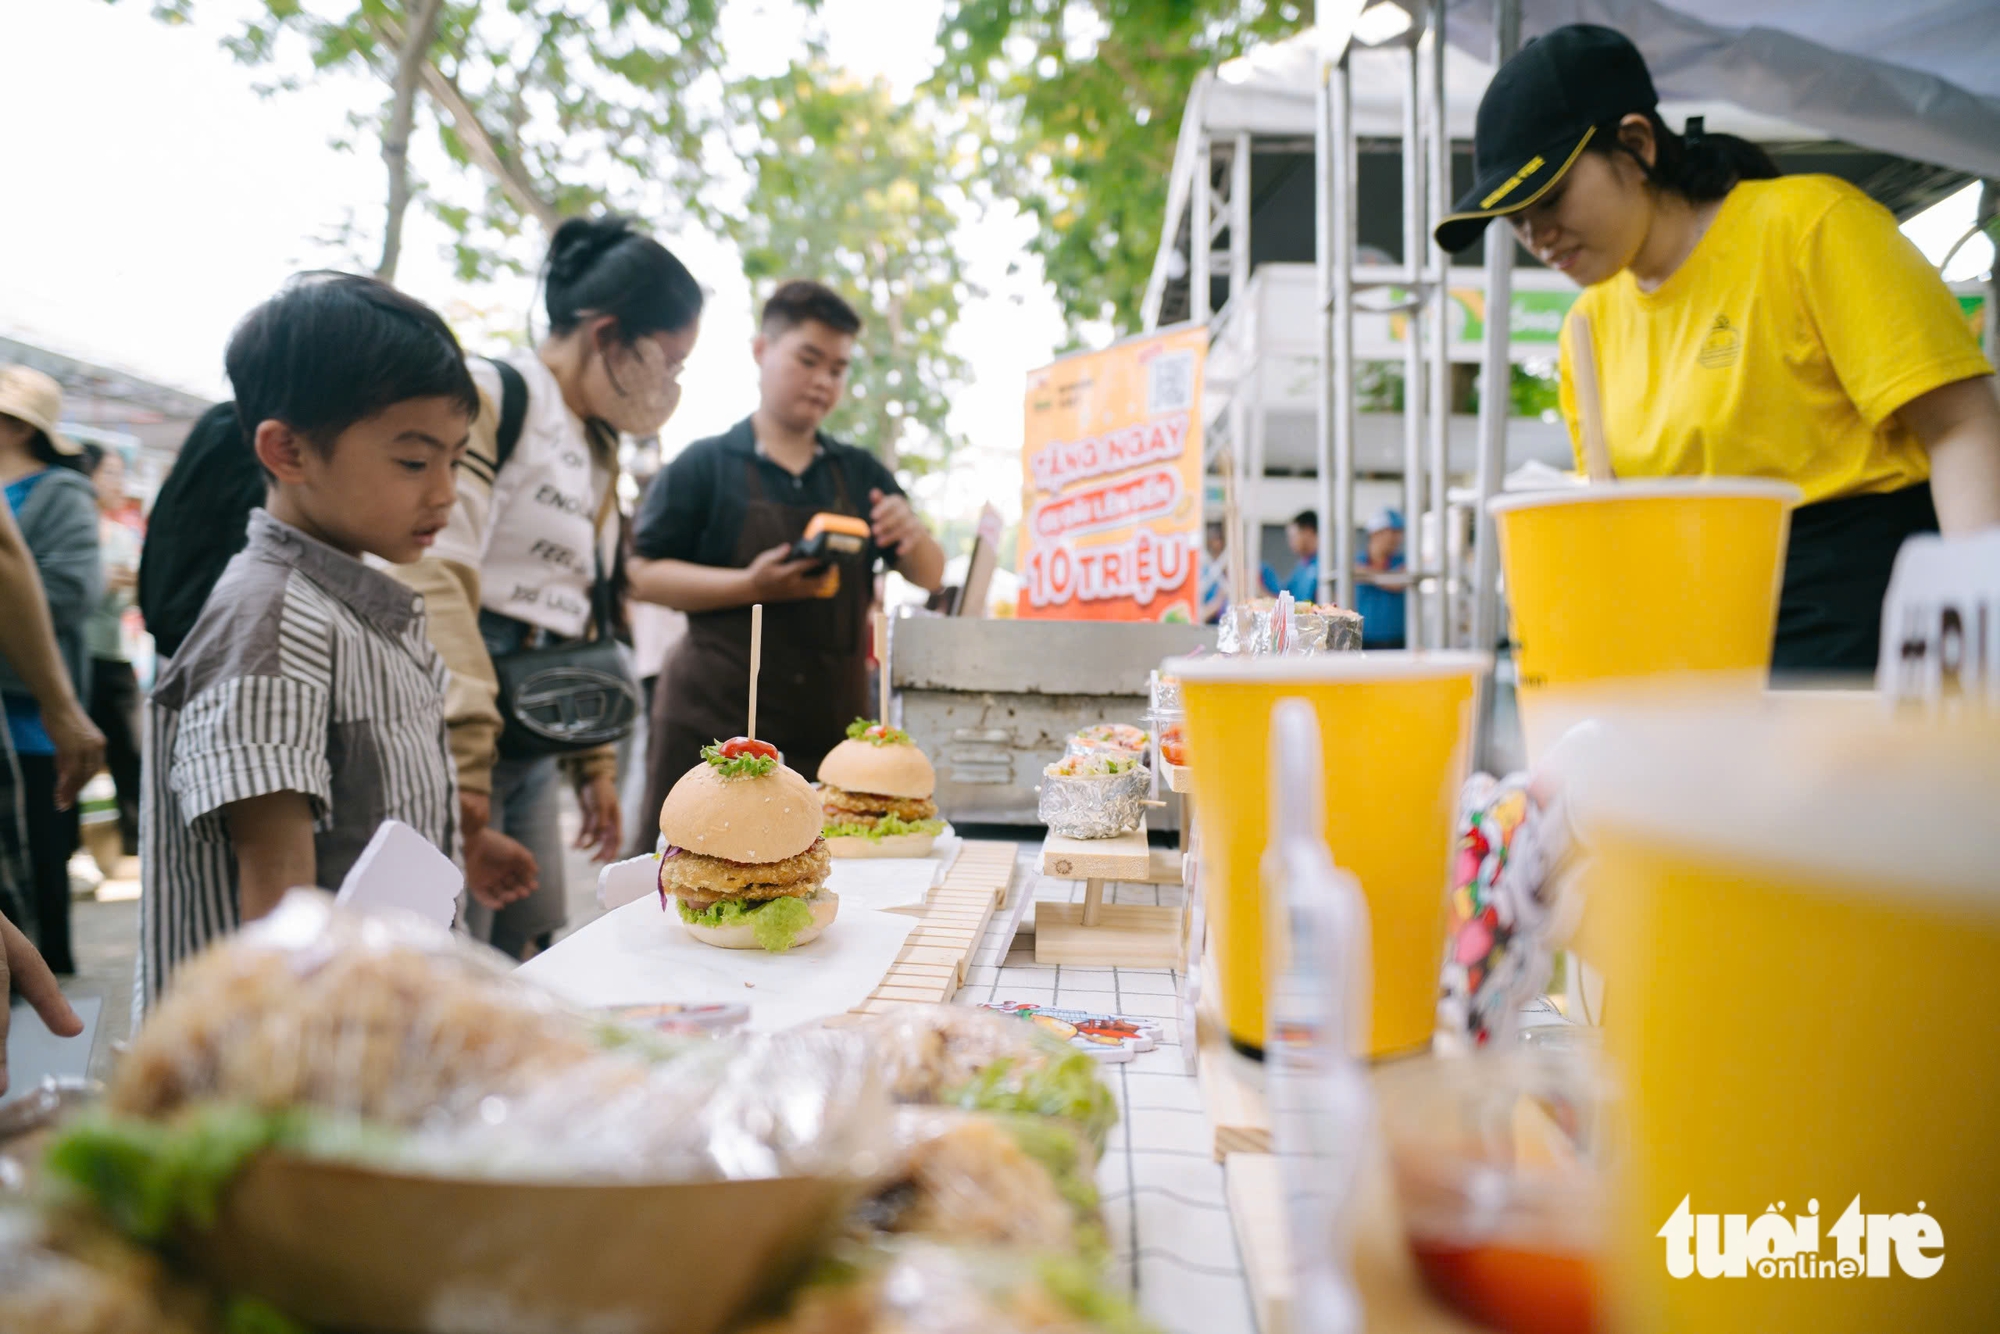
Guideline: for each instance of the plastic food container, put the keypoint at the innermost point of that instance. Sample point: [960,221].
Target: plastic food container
[1501,1162]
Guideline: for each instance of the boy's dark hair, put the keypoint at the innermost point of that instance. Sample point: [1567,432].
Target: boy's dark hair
[331,349]
[1306,519]
[800,300]
[604,266]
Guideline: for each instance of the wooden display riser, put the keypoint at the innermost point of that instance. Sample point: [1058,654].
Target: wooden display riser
[1096,934]
[1392,1292]
[1232,1085]
[952,922]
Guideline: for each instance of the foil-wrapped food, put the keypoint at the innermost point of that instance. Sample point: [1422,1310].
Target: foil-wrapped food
[1094,796]
[1120,740]
[1263,627]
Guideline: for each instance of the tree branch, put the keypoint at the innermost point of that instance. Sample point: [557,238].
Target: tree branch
[411,56]
[479,143]
[444,91]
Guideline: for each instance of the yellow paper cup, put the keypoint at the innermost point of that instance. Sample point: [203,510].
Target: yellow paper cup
[1395,733]
[1801,913]
[1613,584]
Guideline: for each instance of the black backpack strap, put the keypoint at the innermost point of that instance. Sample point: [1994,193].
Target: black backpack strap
[513,411]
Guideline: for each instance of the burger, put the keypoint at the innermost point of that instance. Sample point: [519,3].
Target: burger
[876,789]
[744,859]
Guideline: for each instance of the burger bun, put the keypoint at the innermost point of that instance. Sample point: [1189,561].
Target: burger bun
[741,935]
[895,845]
[767,818]
[885,771]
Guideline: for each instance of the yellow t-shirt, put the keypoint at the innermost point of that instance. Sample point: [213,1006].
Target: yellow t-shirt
[1782,348]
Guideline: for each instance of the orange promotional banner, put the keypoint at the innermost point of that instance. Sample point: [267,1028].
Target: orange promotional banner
[1111,517]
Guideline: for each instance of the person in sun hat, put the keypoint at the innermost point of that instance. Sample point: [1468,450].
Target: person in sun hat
[1744,324]
[55,506]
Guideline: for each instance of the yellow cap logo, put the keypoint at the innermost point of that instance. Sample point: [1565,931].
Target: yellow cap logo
[1508,186]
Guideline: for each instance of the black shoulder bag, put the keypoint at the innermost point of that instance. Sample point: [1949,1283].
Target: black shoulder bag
[562,698]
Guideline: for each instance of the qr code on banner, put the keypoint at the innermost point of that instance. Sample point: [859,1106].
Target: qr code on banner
[1170,383]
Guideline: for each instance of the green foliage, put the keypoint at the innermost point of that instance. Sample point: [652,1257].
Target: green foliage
[862,191]
[1088,97]
[1535,393]
[543,108]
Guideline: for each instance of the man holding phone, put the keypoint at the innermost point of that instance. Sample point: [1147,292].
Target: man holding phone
[716,533]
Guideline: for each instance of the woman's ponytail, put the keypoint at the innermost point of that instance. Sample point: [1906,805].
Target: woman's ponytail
[1698,166]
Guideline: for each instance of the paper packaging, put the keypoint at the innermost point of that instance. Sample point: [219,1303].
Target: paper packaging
[637,954]
[346,1248]
[400,868]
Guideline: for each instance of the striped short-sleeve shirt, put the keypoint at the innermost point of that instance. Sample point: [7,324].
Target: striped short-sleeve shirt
[306,672]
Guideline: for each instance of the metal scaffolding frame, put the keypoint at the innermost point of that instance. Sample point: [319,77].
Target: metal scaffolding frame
[1212,212]
[1418,289]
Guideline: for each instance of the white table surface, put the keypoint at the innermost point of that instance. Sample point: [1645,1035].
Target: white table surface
[1163,1193]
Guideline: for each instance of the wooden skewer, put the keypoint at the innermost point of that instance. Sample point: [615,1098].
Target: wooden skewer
[1232,518]
[1589,410]
[756,658]
[882,663]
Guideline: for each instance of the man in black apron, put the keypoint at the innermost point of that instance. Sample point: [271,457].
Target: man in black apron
[712,538]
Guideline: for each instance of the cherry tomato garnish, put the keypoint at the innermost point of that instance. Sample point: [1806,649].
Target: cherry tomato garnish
[743,745]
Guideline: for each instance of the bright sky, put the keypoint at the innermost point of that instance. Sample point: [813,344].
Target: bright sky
[154,197]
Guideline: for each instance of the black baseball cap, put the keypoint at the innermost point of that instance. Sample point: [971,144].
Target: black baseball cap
[1539,112]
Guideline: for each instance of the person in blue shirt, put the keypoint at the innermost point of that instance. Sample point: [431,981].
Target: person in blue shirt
[1214,575]
[55,507]
[1379,585]
[1302,536]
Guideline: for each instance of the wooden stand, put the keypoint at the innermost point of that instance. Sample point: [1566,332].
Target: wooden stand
[1097,934]
[951,923]
[1385,1276]
[1232,1085]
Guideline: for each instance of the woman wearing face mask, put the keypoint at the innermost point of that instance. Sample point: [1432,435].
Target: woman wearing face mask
[521,561]
[1744,324]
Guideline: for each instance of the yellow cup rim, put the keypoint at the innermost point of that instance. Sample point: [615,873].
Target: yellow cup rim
[1652,488]
[1380,665]
[1725,785]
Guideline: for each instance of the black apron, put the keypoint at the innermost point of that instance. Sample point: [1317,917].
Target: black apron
[1837,568]
[814,680]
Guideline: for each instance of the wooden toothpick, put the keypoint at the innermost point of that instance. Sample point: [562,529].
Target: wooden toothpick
[882,663]
[756,659]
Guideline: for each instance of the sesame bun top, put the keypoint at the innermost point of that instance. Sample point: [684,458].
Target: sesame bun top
[764,818]
[887,771]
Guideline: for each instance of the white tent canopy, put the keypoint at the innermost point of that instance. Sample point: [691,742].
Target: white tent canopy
[1916,78]
[1268,94]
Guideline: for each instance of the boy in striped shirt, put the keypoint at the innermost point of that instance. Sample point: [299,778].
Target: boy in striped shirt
[306,705]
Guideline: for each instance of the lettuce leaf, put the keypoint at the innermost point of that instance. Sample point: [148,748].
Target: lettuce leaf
[738,766]
[148,1177]
[776,923]
[1078,1286]
[1062,1084]
[886,827]
[884,736]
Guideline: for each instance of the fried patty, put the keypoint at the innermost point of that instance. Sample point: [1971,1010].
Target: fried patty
[844,807]
[699,881]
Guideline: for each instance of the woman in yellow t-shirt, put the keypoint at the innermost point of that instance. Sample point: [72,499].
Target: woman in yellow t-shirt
[1745,324]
